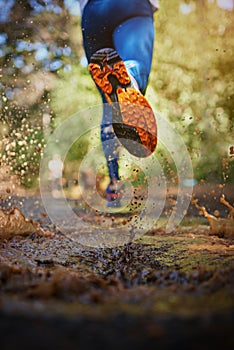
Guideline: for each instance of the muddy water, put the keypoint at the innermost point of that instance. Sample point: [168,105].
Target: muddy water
[187,276]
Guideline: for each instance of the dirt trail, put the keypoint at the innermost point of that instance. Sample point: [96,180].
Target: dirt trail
[165,290]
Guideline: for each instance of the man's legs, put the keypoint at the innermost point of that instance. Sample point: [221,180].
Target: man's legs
[133,40]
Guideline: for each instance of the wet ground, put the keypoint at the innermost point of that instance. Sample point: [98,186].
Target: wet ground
[162,291]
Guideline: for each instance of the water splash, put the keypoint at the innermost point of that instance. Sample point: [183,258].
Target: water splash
[222,227]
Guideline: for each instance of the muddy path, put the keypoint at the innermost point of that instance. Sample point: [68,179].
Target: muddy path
[164,290]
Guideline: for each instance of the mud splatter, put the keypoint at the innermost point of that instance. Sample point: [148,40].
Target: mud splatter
[222,227]
[14,223]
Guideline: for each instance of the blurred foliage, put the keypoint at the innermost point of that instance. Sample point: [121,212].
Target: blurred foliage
[35,43]
[193,78]
[44,80]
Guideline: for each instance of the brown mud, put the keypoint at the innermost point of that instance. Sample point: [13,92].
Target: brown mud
[163,291]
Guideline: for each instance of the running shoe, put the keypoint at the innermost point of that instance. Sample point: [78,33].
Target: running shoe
[113,195]
[133,119]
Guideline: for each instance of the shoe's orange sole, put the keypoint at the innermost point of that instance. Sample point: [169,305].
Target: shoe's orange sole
[137,113]
[137,120]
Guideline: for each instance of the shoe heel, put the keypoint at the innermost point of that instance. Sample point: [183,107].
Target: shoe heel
[108,71]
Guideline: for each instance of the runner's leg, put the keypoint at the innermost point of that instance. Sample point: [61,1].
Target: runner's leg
[134,40]
[96,35]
